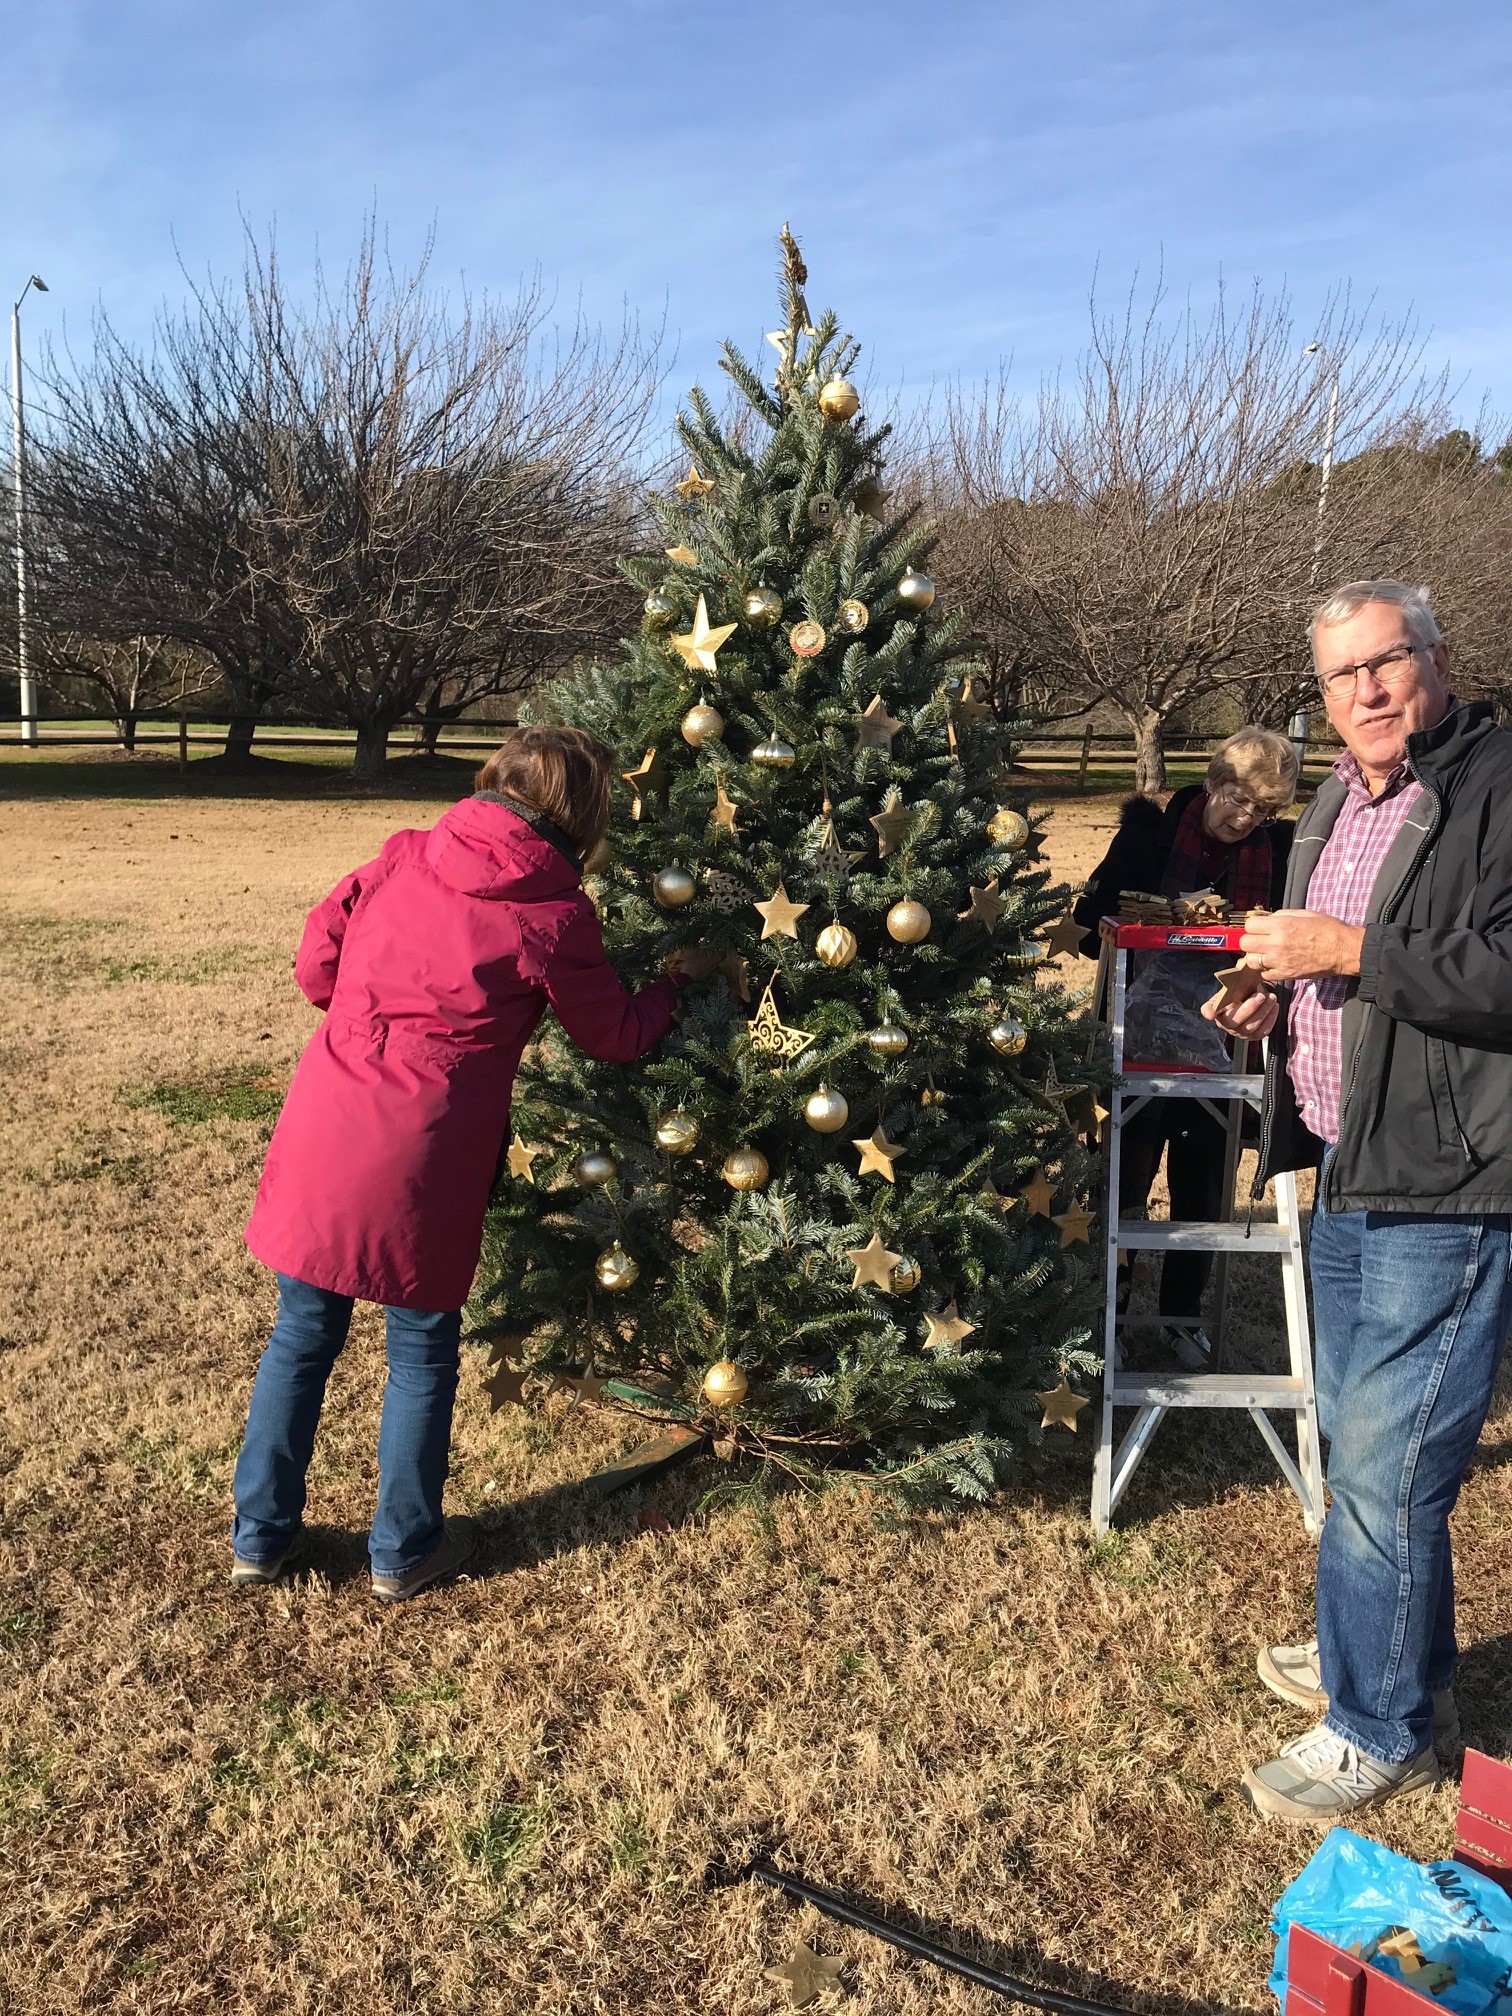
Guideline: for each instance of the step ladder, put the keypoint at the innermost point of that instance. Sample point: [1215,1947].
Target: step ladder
[1152,1394]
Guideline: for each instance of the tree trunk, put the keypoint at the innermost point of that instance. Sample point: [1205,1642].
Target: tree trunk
[371,759]
[1149,754]
[237,753]
[126,727]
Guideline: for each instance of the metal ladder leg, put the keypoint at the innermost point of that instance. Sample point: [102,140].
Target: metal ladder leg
[1299,1342]
[1102,1462]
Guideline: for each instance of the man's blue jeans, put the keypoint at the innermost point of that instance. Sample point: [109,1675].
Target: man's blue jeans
[414,1435]
[1411,1314]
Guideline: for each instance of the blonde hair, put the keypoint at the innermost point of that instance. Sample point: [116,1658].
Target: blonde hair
[564,774]
[1261,762]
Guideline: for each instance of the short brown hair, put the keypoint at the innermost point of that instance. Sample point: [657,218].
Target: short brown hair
[1261,762]
[564,774]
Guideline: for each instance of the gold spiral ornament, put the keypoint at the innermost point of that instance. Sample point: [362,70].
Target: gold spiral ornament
[807,639]
[853,615]
[836,945]
[1008,828]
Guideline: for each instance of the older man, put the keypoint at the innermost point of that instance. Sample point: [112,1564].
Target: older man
[1389,1006]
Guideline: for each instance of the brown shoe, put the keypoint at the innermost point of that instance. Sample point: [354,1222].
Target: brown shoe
[459,1542]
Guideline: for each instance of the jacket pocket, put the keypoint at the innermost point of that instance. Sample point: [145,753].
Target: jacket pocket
[1461,1111]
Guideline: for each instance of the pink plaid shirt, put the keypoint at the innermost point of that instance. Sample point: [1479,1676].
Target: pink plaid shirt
[1341,886]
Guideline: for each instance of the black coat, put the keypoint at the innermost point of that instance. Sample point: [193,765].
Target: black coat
[1425,1117]
[1139,853]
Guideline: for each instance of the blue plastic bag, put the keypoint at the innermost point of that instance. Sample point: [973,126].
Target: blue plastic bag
[1356,1892]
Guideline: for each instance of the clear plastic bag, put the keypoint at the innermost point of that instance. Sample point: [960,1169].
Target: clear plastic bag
[1163,1023]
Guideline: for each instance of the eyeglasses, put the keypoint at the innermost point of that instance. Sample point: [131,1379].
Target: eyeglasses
[1387,668]
[1238,806]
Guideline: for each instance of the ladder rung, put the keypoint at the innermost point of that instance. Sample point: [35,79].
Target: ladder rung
[1191,1085]
[1206,1389]
[1203,1238]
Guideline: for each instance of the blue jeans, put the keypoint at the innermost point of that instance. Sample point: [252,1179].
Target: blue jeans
[414,1435]
[1411,1314]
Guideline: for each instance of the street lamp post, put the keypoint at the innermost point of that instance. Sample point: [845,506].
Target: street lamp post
[28,687]
[1299,720]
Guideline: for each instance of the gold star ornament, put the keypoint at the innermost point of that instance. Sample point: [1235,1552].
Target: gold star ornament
[768,1034]
[648,777]
[876,728]
[694,485]
[878,1155]
[1066,937]
[505,1386]
[521,1158]
[985,907]
[873,1264]
[725,811]
[893,824]
[1039,1195]
[805,1974]
[1074,1225]
[1062,1404]
[699,646]
[946,1330]
[780,914]
[681,556]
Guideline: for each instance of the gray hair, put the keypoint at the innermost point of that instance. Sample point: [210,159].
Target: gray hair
[1352,598]
[1261,762]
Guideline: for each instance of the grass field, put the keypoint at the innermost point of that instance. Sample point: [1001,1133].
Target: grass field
[504,1796]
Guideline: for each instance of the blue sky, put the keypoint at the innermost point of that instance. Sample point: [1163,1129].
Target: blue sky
[956,171]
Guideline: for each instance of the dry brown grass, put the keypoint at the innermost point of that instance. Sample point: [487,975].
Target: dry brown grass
[503,1796]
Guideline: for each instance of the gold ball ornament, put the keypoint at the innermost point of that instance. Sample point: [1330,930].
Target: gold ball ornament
[1008,1037]
[825,1111]
[908,921]
[807,639]
[823,510]
[854,615]
[725,1384]
[836,945]
[888,1041]
[839,399]
[701,724]
[673,887]
[659,609]
[906,1276]
[595,1169]
[598,857]
[763,608]
[916,590]
[615,1269]
[677,1133]
[774,754]
[1008,828]
[746,1169]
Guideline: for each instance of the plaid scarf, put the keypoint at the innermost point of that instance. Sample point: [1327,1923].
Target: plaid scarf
[1242,871]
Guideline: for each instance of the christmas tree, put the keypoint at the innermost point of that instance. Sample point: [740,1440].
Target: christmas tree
[840,1213]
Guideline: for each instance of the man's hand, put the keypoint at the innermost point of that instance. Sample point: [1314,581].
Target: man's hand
[1302,945]
[1251,1018]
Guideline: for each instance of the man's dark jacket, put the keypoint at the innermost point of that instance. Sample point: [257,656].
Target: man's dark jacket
[1425,1119]
[1139,853]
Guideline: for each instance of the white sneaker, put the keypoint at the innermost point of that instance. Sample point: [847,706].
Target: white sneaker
[1293,1672]
[1193,1348]
[1323,1776]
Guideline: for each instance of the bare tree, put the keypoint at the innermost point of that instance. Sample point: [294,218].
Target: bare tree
[124,677]
[1143,532]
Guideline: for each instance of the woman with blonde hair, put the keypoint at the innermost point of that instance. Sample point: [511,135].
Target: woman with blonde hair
[1221,834]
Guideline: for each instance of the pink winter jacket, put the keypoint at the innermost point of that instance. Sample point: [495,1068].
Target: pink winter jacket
[434,964]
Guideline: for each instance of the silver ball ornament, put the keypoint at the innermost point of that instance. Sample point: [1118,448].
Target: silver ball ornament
[826,1111]
[673,887]
[595,1169]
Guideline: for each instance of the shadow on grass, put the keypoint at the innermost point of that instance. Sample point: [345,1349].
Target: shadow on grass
[150,775]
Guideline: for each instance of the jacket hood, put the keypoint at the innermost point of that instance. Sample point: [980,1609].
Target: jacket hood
[481,848]
[1434,752]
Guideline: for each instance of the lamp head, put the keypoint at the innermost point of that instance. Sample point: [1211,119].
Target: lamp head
[39,284]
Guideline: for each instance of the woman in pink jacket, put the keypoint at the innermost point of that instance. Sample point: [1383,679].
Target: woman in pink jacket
[434,965]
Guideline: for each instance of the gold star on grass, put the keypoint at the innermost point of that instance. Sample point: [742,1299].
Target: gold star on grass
[521,1158]
[946,1329]
[725,811]
[1066,937]
[694,485]
[1062,1405]
[1074,1226]
[877,1156]
[876,728]
[700,645]
[682,556]
[505,1386]
[805,1975]
[1039,1195]
[873,1264]
[586,1385]
[985,907]
[647,777]
[780,914]
[893,823]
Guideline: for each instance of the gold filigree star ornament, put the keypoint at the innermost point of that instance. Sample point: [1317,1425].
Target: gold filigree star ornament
[769,1035]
